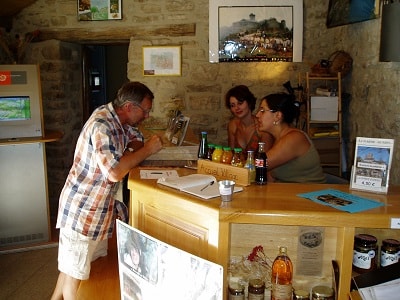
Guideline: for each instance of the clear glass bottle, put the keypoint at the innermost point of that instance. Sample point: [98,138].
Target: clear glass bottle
[261,164]
[203,146]
[237,158]
[250,165]
[216,156]
[282,276]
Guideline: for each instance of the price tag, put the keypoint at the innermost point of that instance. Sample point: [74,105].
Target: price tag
[368,181]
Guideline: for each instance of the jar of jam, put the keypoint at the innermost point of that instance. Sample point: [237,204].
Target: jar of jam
[227,155]
[390,252]
[216,156]
[236,291]
[256,289]
[237,158]
[321,292]
[210,151]
[364,254]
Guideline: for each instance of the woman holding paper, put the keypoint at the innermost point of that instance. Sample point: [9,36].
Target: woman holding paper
[242,131]
[293,157]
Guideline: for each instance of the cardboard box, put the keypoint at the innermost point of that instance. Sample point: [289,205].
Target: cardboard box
[324,108]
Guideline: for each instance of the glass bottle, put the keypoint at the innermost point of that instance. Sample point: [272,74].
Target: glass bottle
[203,147]
[227,155]
[210,151]
[250,165]
[237,157]
[216,156]
[261,164]
[282,276]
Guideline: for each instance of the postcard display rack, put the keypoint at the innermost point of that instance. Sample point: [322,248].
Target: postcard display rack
[24,217]
[324,119]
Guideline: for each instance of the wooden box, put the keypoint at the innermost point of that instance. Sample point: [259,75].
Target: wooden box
[223,171]
[176,156]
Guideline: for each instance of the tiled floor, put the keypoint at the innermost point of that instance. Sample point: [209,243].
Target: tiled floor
[29,273]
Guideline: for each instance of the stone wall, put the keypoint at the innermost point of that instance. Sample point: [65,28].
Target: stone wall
[371,110]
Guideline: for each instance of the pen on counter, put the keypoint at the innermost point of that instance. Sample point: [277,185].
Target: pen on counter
[211,183]
[156,173]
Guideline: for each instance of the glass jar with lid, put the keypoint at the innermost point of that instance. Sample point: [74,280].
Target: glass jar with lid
[321,292]
[216,156]
[237,158]
[390,252]
[364,254]
[256,289]
[227,155]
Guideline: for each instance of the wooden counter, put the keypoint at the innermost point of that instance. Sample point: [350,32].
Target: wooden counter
[269,215]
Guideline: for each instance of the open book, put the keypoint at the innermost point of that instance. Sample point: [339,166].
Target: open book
[200,185]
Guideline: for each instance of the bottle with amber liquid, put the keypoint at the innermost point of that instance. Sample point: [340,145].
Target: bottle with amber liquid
[261,164]
[282,276]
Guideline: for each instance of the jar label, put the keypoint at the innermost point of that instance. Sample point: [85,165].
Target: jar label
[363,260]
[281,291]
[389,258]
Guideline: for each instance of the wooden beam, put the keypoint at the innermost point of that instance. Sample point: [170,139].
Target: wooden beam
[116,34]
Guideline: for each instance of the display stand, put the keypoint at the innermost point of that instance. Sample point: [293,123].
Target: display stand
[24,210]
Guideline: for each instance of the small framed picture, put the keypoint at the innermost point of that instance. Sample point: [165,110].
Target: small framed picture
[162,61]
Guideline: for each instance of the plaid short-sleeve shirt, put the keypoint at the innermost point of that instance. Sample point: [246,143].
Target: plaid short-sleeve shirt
[87,199]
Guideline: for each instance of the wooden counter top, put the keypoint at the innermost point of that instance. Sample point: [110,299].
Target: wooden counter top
[49,136]
[278,203]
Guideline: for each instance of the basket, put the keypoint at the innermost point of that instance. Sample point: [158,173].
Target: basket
[340,61]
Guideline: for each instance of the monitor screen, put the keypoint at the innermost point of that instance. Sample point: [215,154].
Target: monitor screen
[15,108]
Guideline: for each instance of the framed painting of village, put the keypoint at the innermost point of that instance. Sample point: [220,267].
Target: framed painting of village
[255,30]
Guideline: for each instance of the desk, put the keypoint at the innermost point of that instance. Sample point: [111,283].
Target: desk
[268,215]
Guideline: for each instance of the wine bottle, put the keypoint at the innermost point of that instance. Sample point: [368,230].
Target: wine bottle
[282,276]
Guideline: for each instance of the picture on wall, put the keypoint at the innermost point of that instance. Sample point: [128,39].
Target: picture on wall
[255,30]
[343,12]
[162,61]
[98,10]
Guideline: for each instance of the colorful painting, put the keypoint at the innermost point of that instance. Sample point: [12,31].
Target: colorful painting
[97,10]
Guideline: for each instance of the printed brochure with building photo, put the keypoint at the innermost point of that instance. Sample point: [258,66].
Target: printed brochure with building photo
[372,162]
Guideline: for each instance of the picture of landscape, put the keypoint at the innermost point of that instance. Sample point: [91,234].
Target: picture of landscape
[92,10]
[255,33]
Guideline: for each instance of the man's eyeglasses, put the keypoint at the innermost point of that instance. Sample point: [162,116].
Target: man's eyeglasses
[263,110]
[145,111]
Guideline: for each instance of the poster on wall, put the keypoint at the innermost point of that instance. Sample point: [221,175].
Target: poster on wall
[150,269]
[255,30]
[98,10]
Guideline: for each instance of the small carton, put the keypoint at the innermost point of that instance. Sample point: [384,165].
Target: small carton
[324,109]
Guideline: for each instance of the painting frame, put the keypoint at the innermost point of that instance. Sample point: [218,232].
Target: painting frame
[345,12]
[162,61]
[99,10]
[216,7]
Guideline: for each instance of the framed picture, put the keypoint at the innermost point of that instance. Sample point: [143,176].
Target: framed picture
[343,12]
[162,61]
[99,10]
[255,30]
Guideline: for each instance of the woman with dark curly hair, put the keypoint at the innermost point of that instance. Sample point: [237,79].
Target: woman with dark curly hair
[293,157]
[242,132]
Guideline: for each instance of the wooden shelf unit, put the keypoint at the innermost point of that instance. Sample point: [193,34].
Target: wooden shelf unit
[326,135]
